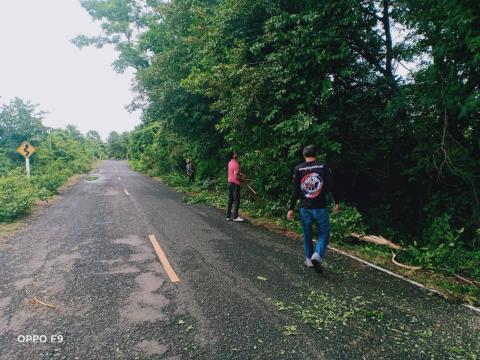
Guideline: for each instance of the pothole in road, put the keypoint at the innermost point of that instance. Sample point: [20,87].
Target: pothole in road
[142,251]
[144,305]
[109,191]
[152,347]
[92,178]
[131,240]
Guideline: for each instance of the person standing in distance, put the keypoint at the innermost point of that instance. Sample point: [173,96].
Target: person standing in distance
[233,188]
[190,170]
[311,181]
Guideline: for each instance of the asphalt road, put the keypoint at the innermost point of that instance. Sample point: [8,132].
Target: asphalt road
[243,291]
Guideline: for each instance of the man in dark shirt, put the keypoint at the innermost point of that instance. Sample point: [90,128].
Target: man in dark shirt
[311,181]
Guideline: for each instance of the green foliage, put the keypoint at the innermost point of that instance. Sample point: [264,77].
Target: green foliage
[267,77]
[16,197]
[60,154]
[444,251]
[5,164]
[320,310]
[446,259]
[52,179]
[19,121]
[217,200]
[96,144]
[440,232]
[346,222]
[117,145]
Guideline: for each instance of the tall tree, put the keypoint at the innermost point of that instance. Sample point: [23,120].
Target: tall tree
[117,145]
[19,121]
[266,77]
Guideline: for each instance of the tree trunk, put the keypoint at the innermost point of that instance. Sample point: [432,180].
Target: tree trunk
[388,40]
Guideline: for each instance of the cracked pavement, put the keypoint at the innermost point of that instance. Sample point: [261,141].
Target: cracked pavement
[243,292]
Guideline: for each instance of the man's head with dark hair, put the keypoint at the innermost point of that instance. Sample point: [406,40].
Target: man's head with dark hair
[232,155]
[310,151]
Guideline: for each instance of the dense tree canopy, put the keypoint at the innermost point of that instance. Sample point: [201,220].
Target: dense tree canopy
[389,91]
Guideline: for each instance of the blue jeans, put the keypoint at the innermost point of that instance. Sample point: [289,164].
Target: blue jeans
[320,217]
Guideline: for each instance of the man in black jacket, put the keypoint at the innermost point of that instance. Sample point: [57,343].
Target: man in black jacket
[311,181]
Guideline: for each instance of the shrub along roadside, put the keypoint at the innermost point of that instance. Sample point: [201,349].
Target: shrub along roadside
[58,158]
[18,195]
[439,264]
[60,153]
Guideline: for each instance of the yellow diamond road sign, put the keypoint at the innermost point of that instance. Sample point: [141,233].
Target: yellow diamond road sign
[26,149]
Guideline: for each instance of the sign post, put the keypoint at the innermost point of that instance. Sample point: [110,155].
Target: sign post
[27,166]
[26,150]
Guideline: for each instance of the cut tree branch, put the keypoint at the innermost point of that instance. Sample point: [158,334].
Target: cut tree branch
[376,240]
[409,267]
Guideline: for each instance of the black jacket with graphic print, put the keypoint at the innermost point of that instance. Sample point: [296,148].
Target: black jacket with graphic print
[311,181]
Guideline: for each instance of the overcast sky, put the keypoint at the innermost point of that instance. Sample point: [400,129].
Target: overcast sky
[39,63]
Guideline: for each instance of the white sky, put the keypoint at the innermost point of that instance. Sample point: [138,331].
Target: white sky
[39,63]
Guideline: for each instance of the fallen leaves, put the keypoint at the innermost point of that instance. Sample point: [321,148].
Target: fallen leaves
[289,330]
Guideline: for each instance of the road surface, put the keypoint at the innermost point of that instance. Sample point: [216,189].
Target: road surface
[243,292]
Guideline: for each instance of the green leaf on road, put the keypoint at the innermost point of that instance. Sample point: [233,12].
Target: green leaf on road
[289,330]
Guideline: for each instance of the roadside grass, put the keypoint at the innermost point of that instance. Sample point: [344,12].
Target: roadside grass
[348,220]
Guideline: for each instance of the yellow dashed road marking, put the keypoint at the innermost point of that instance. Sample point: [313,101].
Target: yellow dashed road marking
[163,259]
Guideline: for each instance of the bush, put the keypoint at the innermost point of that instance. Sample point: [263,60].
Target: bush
[138,166]
[445,259]
[345,222]
[175,179]
[51,181]
[50,170]
[16,197]
[441,232]
[444,250]
[210,184]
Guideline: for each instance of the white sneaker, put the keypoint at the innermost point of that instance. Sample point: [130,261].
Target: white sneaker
[229,219]
[308,263]
[316,257]
[238,219]
[316,261]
